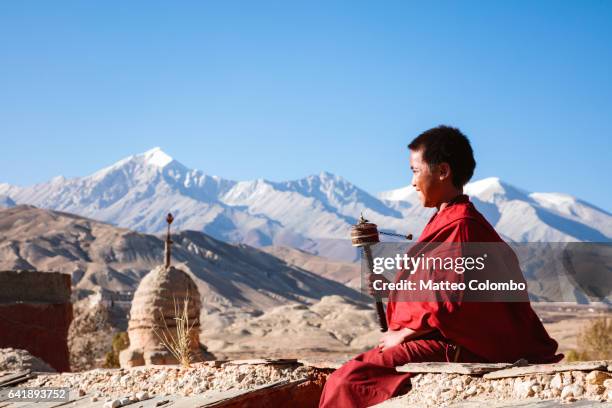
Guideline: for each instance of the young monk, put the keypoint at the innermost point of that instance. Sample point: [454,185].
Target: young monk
[442,162]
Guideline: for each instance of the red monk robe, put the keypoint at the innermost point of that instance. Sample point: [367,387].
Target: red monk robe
[463,332]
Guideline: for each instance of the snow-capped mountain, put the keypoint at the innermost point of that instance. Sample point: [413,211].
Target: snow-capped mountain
[313,214]
[522,216]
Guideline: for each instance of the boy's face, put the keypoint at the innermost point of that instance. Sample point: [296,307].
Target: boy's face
[426,182]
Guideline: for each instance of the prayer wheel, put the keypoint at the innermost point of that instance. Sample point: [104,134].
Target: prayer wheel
[364,233]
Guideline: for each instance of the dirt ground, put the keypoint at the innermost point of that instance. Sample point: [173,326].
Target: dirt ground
[327,337]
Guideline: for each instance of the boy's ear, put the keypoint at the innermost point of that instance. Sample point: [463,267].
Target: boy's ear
[444,171]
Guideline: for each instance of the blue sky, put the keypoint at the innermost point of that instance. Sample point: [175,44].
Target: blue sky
[281,90]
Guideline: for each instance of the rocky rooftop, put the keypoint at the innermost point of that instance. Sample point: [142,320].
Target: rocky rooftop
[201,378]
[230,383]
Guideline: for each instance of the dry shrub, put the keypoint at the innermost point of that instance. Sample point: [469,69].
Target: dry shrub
[121,341]
[594,341]
[179,343]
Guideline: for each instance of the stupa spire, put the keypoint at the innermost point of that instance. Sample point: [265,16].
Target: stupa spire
[168,247]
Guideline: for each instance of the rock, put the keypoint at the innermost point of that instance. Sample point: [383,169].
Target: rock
[125,379]
[595,389]
[131,357]
[12,359]
[471,390]
[577,390]
[556,382]
[545,380]
[160,377]
[457,384]
[142,395]
[597,377]
[448,395]
[607,384]
[567,378]
[522,389]
[567,392]
[112,404]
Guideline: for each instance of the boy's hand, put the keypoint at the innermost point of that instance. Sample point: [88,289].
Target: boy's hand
[393,337]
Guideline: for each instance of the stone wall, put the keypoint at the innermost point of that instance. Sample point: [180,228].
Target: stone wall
[35,314]
[448,384]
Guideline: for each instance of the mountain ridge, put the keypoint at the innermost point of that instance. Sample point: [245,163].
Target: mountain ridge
[314,213]
[100,256]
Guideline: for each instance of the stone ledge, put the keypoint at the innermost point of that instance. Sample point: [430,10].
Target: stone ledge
[511,403]
[548,369]
[323,364]
[452,368]
[502,370]
[256,361]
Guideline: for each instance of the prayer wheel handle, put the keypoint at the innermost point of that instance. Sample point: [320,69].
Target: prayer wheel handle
[363,235]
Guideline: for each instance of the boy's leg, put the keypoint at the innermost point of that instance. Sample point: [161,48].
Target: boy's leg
[371,377]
